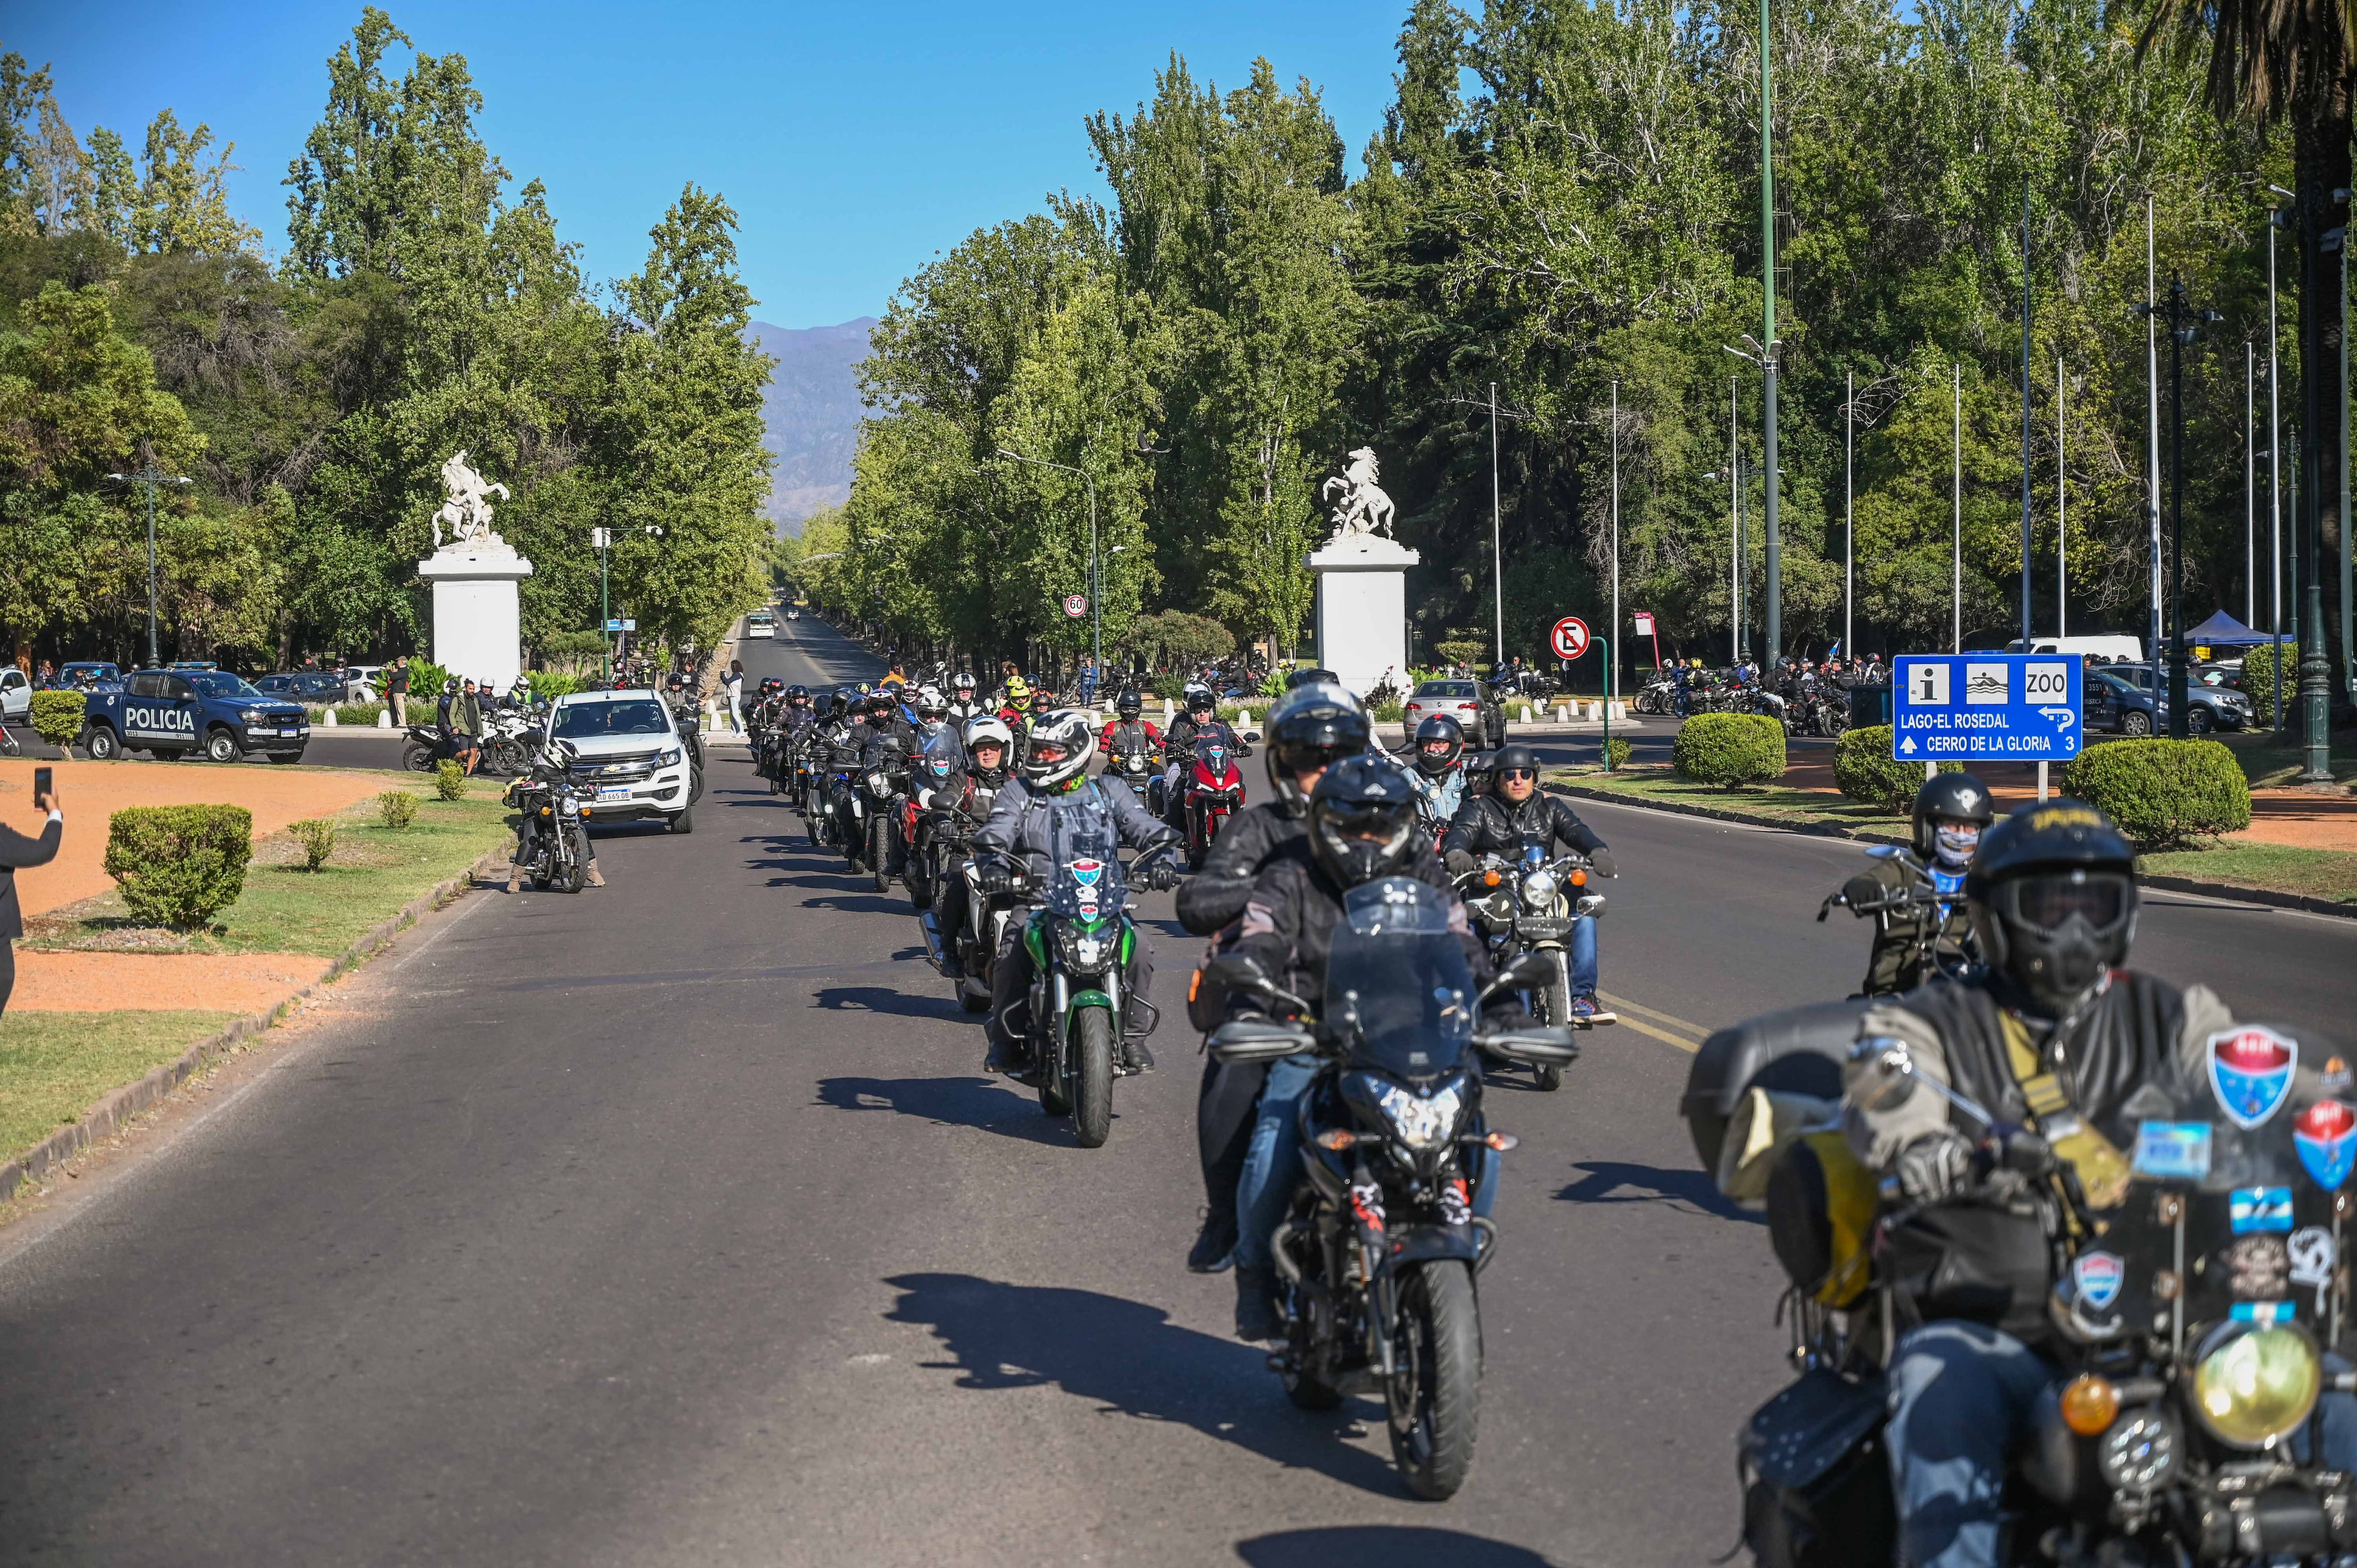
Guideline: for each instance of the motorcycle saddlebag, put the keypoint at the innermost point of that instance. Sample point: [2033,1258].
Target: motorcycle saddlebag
[1798,1051]
[1820,1207]
[1817,1483]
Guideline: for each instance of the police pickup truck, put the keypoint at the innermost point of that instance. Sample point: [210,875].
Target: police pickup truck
[171,712]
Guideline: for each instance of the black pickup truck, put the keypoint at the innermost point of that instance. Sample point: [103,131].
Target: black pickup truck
[172,713]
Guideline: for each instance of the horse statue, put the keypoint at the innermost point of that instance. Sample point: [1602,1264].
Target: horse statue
[1365,508]
[467,507]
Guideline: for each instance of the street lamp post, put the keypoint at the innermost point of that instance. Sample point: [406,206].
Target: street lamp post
[602,540]
[1768,346]
[148,478]
[1096,604]
[2183,319]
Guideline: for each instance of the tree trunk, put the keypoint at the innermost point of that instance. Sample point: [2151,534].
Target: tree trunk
[2321,152]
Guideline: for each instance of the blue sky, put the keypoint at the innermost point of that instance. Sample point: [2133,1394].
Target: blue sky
[854,140]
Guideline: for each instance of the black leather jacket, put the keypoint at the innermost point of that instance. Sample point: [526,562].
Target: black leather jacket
[1488,823]
[1252,838]
[1289,921]
[888,746]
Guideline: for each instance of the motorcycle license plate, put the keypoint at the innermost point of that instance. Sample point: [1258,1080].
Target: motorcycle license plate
[613,792]
[1541,928]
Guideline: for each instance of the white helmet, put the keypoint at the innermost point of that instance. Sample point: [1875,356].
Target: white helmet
[989,728]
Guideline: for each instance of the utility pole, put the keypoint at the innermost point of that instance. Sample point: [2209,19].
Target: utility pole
[2250,484]
[1849,509]
[602,541]
[1957,498]
[2183,320]
[1497,550]
[1770,352]
[1096,606]
[1735,489]
[2062,535]
[2348,660]
[148,478]
[2025,417]
[2152,437]
[1611,666]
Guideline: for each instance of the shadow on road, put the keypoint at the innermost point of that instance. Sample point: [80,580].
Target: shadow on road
[1133,1361]
[1616,1181]
[1383,1546]
[985,1103]
[884,999]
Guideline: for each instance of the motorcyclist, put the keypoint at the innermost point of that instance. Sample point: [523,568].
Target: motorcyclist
[963,703]
[840,744]
[1128,729]
[1438,770]
[1513,812]
[1360,825]
[968,791]
[1015,840]
[1198,724]
[1911,938]
[1311,728]
[2059,1042]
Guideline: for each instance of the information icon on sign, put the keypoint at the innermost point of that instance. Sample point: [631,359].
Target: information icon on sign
[1928,685]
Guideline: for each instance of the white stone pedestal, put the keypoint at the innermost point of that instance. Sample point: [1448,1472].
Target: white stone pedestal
[477,635]
[1363,609]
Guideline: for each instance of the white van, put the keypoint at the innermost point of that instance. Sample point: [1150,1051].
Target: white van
[2111,649]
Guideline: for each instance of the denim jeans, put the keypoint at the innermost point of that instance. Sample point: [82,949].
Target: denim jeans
[1961,1397]
[1583,956]
[1273,1162]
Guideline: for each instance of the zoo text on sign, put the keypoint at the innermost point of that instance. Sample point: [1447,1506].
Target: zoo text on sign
[1569,638]
[1960,707]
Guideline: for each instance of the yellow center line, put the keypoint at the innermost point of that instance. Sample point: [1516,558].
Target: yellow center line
[1696,1031]
[1689,1047]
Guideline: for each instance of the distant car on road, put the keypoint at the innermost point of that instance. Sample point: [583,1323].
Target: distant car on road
[1474,705]
[793,614]
[760,623]
[304,685]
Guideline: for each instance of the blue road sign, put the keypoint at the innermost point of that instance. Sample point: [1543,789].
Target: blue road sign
[2023,707]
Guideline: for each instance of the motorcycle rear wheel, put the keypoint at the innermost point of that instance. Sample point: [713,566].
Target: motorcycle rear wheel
[417,757]
[879,852]
[1435,1401]
[1091,1077]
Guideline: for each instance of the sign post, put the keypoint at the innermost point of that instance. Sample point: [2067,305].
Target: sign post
[1569,638]
[2011,707]
[1647,627]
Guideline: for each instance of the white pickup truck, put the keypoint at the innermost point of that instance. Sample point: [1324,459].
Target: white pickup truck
[631,760]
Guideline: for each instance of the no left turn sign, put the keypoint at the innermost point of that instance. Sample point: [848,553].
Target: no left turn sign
[1569,638]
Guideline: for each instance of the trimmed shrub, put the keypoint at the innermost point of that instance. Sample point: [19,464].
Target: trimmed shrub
[449,781]
[1730,749]
[2259,680]
[317,837]
[396,809]
[1617,753]
[2163,793]
[57,717]
[1864,771]
[179,865]
[554,683]
[362,714]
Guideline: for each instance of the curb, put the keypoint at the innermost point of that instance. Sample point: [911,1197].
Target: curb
[2233,890]
[117,1108]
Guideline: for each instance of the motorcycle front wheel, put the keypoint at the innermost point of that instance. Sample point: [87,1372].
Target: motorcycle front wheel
[1091,1077]
[577,858]
[1434,1401]
[1554,1009]
[880,851]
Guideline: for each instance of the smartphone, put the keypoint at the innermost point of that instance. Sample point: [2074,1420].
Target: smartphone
[44,779]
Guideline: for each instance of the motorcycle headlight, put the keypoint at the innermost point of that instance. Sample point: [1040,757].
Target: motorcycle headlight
[2254,1383]
[875,782]
[1085,950]
[671,759]
[1424,1121]
[1538,890]
[2140,1450]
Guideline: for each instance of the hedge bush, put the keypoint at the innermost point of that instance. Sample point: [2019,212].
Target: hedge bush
[1730,749]
[2259,680]
[1616,755]
[317,837]
[554,683]
[57,717]
[449,781]
[396,809]
[179,865]
[1864,771]
[2163,793]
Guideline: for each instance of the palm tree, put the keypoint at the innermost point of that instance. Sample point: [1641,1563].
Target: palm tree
[2291,61]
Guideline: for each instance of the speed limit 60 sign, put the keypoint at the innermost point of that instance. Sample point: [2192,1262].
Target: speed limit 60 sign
[1569,638]
[1076,605]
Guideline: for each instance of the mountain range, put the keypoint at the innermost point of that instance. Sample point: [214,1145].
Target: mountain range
[811,414]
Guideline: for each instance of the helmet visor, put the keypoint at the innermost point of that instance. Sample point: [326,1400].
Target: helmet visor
[1299,756]
[1373,821]
[2047,903]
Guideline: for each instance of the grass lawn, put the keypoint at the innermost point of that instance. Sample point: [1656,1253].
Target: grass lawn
[2270,758]
[54,1065]
[2319,872]
[1771,801]
[373,871]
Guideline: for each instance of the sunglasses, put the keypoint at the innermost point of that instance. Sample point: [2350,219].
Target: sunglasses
[1511,774]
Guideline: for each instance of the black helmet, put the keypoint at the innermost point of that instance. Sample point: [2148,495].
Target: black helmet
[1129,704]
[1362,820]
[1443,730]
[798,694]
[1043,700]
[2053,901]
[844,697]
[1311,727]
[1312,678]
[1957,797]
[1507,757]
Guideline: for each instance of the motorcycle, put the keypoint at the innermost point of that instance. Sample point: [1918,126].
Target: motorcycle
[560,854]
[978,942]
[2162,1437]
[883,791]
[1525,905]
[919,828]
[1377,1255]
[1079,940]
[423,749]
[1140,769]
[1216,791]
[1918,901]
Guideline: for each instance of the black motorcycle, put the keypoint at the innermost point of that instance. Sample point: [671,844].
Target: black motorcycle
[1526,905]
[557,822]
[1918,901]
[1378,1250]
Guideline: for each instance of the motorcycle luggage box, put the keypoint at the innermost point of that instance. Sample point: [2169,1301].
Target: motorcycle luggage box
[1798,1050]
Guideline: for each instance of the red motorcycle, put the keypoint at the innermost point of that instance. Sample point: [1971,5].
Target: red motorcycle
[1216,791]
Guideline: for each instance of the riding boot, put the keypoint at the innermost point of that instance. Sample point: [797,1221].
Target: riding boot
[596,878]
[515,879]
[1215,1243]
[1256,1313]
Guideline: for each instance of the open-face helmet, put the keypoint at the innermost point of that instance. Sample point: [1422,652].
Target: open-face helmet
[1362,820]
[1312,727]
[988,729]
[1056,758]
[798,695]
[1952,811]
[1509,760]
[2052,896]
[1439,743]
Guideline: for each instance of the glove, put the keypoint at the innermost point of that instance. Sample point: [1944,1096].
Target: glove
[1163,877]
[1603,864]
[996,878]
[1460,863]
[1934,1168]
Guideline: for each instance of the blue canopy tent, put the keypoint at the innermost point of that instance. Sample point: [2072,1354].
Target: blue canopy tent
[2223,630]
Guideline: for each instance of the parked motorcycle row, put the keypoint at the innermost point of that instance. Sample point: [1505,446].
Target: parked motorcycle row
[1802,701]
[1383,1236]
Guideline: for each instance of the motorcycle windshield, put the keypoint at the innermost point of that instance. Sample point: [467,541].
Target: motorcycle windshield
[1213,760]
[1084,876]
[1397,985]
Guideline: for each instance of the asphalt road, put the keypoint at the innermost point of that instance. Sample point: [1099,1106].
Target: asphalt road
[672,1223]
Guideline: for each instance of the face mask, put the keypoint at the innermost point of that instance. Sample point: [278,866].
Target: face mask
[1956,843]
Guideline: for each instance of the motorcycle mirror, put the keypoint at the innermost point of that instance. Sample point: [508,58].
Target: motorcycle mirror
[1889,1079]
[1884,851]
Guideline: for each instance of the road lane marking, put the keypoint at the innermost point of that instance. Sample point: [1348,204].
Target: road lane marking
[1672,1019]
[1689,1047]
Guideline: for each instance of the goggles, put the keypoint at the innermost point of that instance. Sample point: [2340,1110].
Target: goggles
[2047,903]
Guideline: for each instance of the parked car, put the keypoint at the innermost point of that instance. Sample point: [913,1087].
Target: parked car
[16,694]
[304,685]
[170,714]
[363,683]
[2121,698]
[2207,707]
[88,675]
[1474,705]
[632,762]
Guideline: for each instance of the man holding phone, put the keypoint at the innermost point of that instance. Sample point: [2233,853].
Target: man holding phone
[17,849]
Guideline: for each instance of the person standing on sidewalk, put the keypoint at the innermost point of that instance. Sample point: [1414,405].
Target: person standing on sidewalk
[15,851]
[467,726]
[734,684]
[397,692]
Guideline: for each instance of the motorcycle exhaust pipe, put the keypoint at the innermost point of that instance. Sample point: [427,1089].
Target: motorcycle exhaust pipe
[931,926]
